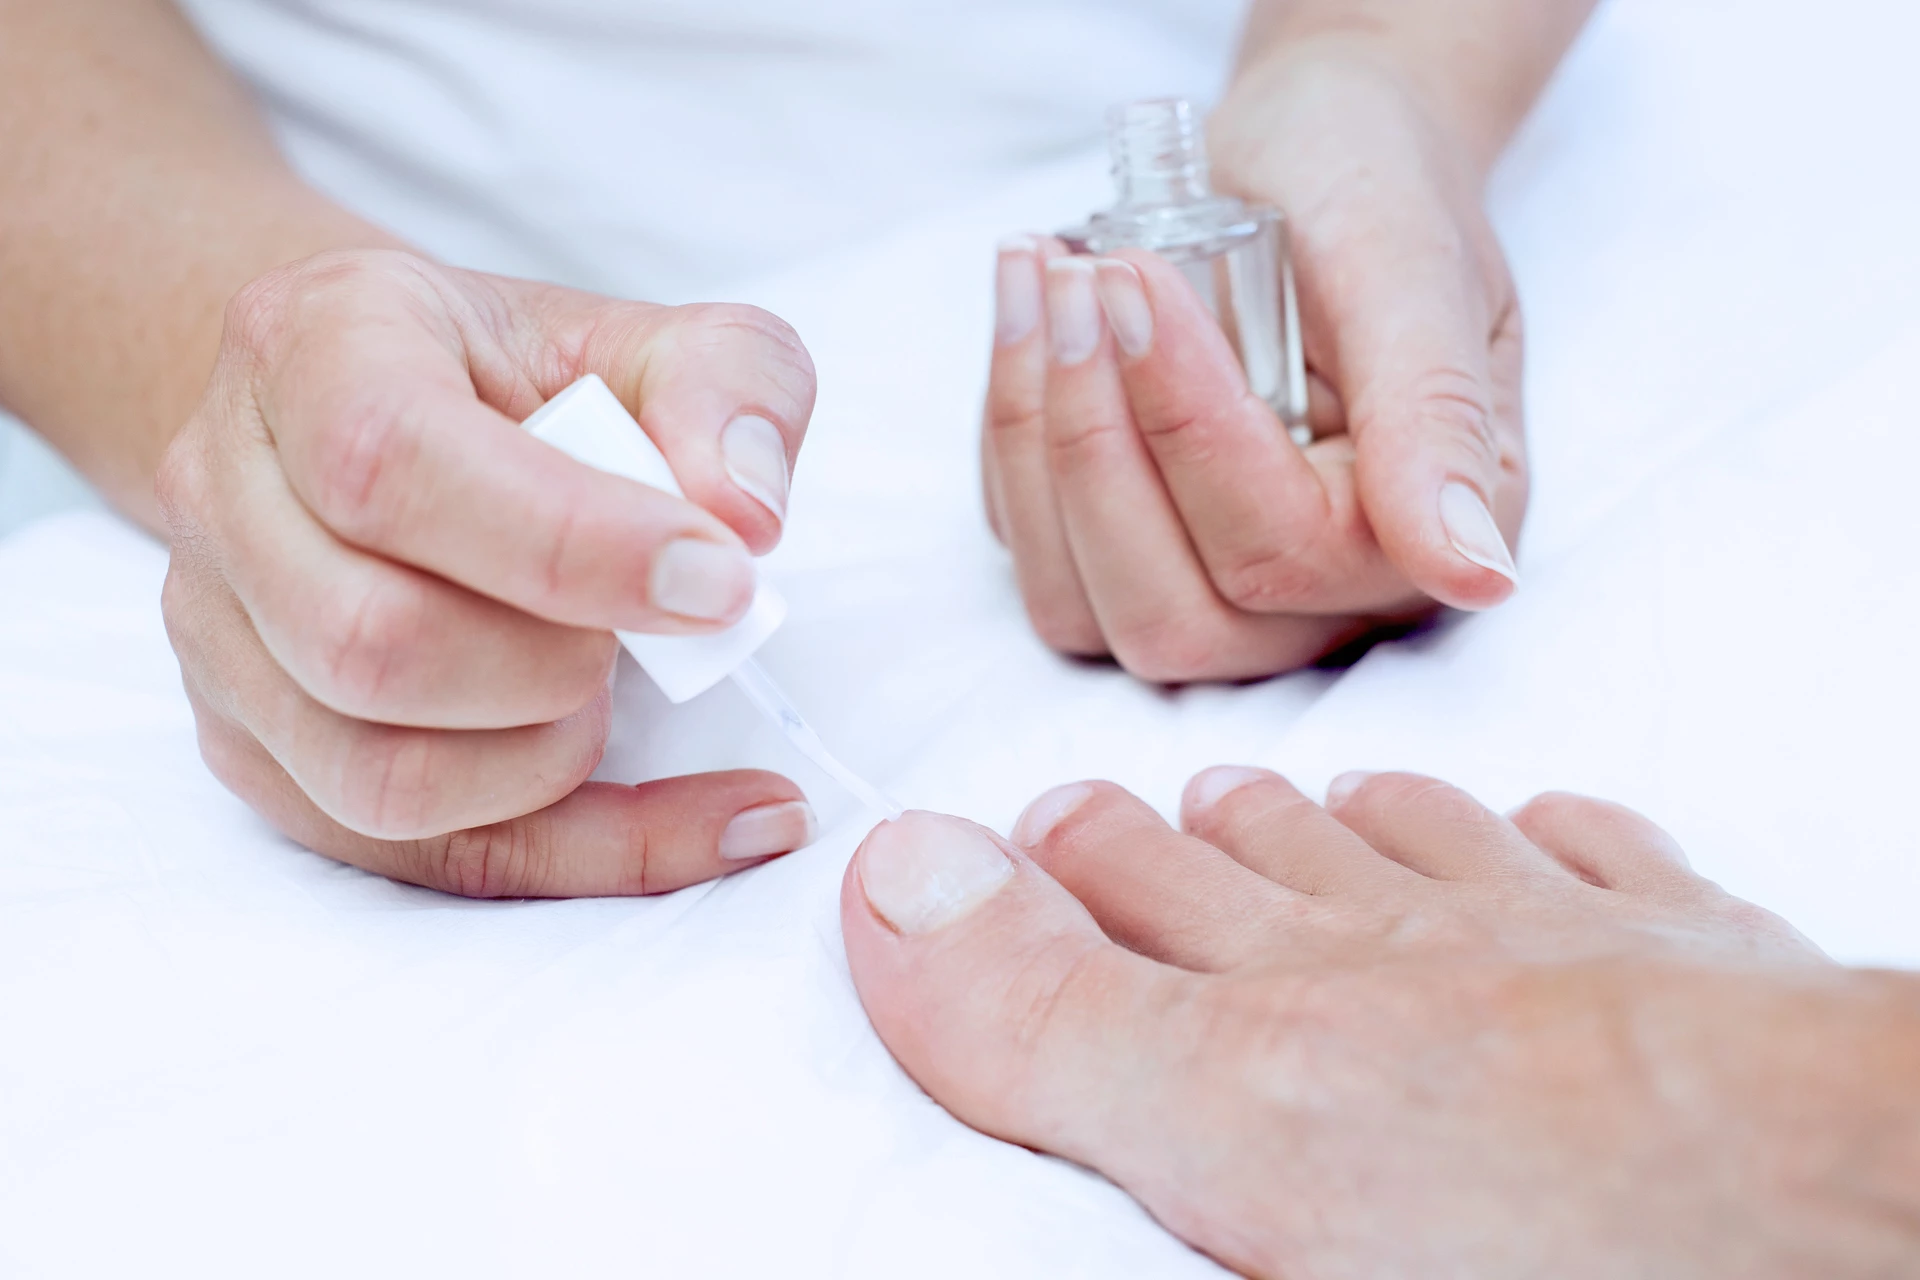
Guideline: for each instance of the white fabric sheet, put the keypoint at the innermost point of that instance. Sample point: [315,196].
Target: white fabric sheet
[221,1055]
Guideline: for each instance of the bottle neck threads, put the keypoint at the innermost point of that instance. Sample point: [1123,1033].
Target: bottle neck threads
[1159,150]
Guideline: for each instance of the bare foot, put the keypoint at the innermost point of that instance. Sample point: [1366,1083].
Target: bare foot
[1403,1036]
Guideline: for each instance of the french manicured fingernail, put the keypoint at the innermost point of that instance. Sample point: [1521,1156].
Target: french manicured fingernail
[1124,299]
[1343,787]
[764,830]
[1048,812]
[1017,291]
[1471,529]
[1073,312]
[756,457]
[702,580]
[922,871]
[1210,786]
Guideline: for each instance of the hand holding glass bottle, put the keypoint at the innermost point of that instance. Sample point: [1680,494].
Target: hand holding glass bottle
[1137,449]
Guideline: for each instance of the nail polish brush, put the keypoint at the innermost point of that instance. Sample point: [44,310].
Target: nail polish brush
[588,423]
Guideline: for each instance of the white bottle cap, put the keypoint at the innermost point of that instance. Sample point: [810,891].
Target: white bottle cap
[588,423]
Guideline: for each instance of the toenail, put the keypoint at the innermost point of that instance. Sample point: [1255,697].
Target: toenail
[923,871]
[1210,786]
[1048,812]
[1341,789]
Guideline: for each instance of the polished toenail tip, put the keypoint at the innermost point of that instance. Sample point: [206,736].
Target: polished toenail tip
[923,871]
[1048,812]
[1210,786]
[1341,789]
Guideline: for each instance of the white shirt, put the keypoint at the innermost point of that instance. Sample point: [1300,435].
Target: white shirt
[662,148]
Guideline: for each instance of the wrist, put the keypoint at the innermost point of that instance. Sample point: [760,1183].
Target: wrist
[1463,118]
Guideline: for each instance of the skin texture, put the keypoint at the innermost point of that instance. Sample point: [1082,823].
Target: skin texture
[391,607]
[1401,1036]
[1156,511]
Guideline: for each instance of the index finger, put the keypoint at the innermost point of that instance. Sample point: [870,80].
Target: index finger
[375,417]
[1279,529]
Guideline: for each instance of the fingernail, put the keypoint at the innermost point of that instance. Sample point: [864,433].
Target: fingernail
[1072,310]
[1471,529]
[1124,299]
[764,830]
[1210,786]
[1343,787]
[756,457]
[1048,812]
[1017,292]
[923,871]
[704,580]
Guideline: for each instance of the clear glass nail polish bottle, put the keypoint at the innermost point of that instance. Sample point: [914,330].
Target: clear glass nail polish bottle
[1235,253]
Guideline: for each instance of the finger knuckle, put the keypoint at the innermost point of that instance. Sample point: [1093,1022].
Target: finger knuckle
[1015,417]
[781,354]
[367,439]
[1170,650]
[386,784]
[1070,632]
[228,752]
[1078,442]
[1267,580]
[506,859]
[362,636]
[1455,408]
[257,314]
[265,311]
[181,485]
[1190,435]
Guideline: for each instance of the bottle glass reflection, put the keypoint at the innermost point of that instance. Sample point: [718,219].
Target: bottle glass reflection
[1234,253]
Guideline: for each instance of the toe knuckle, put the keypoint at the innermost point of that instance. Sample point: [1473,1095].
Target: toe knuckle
[1437,800]
[1552,808]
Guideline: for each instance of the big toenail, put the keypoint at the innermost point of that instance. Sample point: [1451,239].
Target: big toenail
[1048,812]
[923,871]
[1210,786]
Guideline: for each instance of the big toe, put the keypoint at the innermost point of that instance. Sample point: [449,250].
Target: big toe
[996,990]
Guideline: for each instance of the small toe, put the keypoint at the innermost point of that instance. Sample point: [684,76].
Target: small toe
[1265,823]
[1605,844]
[1438,830]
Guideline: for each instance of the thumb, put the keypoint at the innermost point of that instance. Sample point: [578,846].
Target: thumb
[1430,373]
[725,391]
